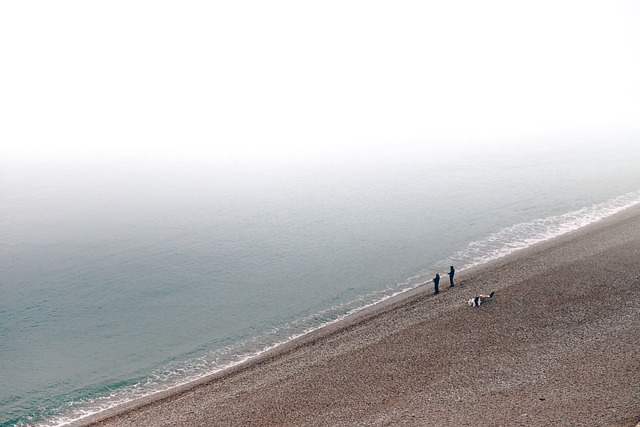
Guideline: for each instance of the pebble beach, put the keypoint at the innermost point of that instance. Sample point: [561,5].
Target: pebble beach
[557,345]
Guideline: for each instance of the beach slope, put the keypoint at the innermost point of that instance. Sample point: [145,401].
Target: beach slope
[559,344]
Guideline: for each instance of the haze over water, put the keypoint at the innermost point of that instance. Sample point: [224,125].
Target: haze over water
[184,186]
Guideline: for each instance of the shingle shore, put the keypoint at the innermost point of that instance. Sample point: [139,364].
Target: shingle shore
[559,345]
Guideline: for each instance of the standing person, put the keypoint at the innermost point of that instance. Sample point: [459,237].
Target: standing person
[436,282]
[452,272]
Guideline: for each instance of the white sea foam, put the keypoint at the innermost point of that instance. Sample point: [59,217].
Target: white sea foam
[520,236]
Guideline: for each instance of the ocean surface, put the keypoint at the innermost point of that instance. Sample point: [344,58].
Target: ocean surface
[124,276]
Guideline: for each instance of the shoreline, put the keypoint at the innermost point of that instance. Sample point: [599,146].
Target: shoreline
[347,334]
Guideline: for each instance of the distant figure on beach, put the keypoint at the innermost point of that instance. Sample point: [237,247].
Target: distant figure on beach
[436,282]
[452,272]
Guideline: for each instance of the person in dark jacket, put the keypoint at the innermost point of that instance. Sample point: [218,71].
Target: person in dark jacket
[452,272]
[436,282]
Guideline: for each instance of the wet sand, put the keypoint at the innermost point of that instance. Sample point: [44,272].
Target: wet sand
[558,345]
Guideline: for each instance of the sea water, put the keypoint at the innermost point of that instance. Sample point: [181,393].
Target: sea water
[124,276]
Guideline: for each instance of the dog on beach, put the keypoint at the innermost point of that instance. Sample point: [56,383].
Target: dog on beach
[479,299]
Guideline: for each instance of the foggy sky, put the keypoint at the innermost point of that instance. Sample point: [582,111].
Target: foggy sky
[253,77]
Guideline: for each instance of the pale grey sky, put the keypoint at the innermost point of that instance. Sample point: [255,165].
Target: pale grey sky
[265,77]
